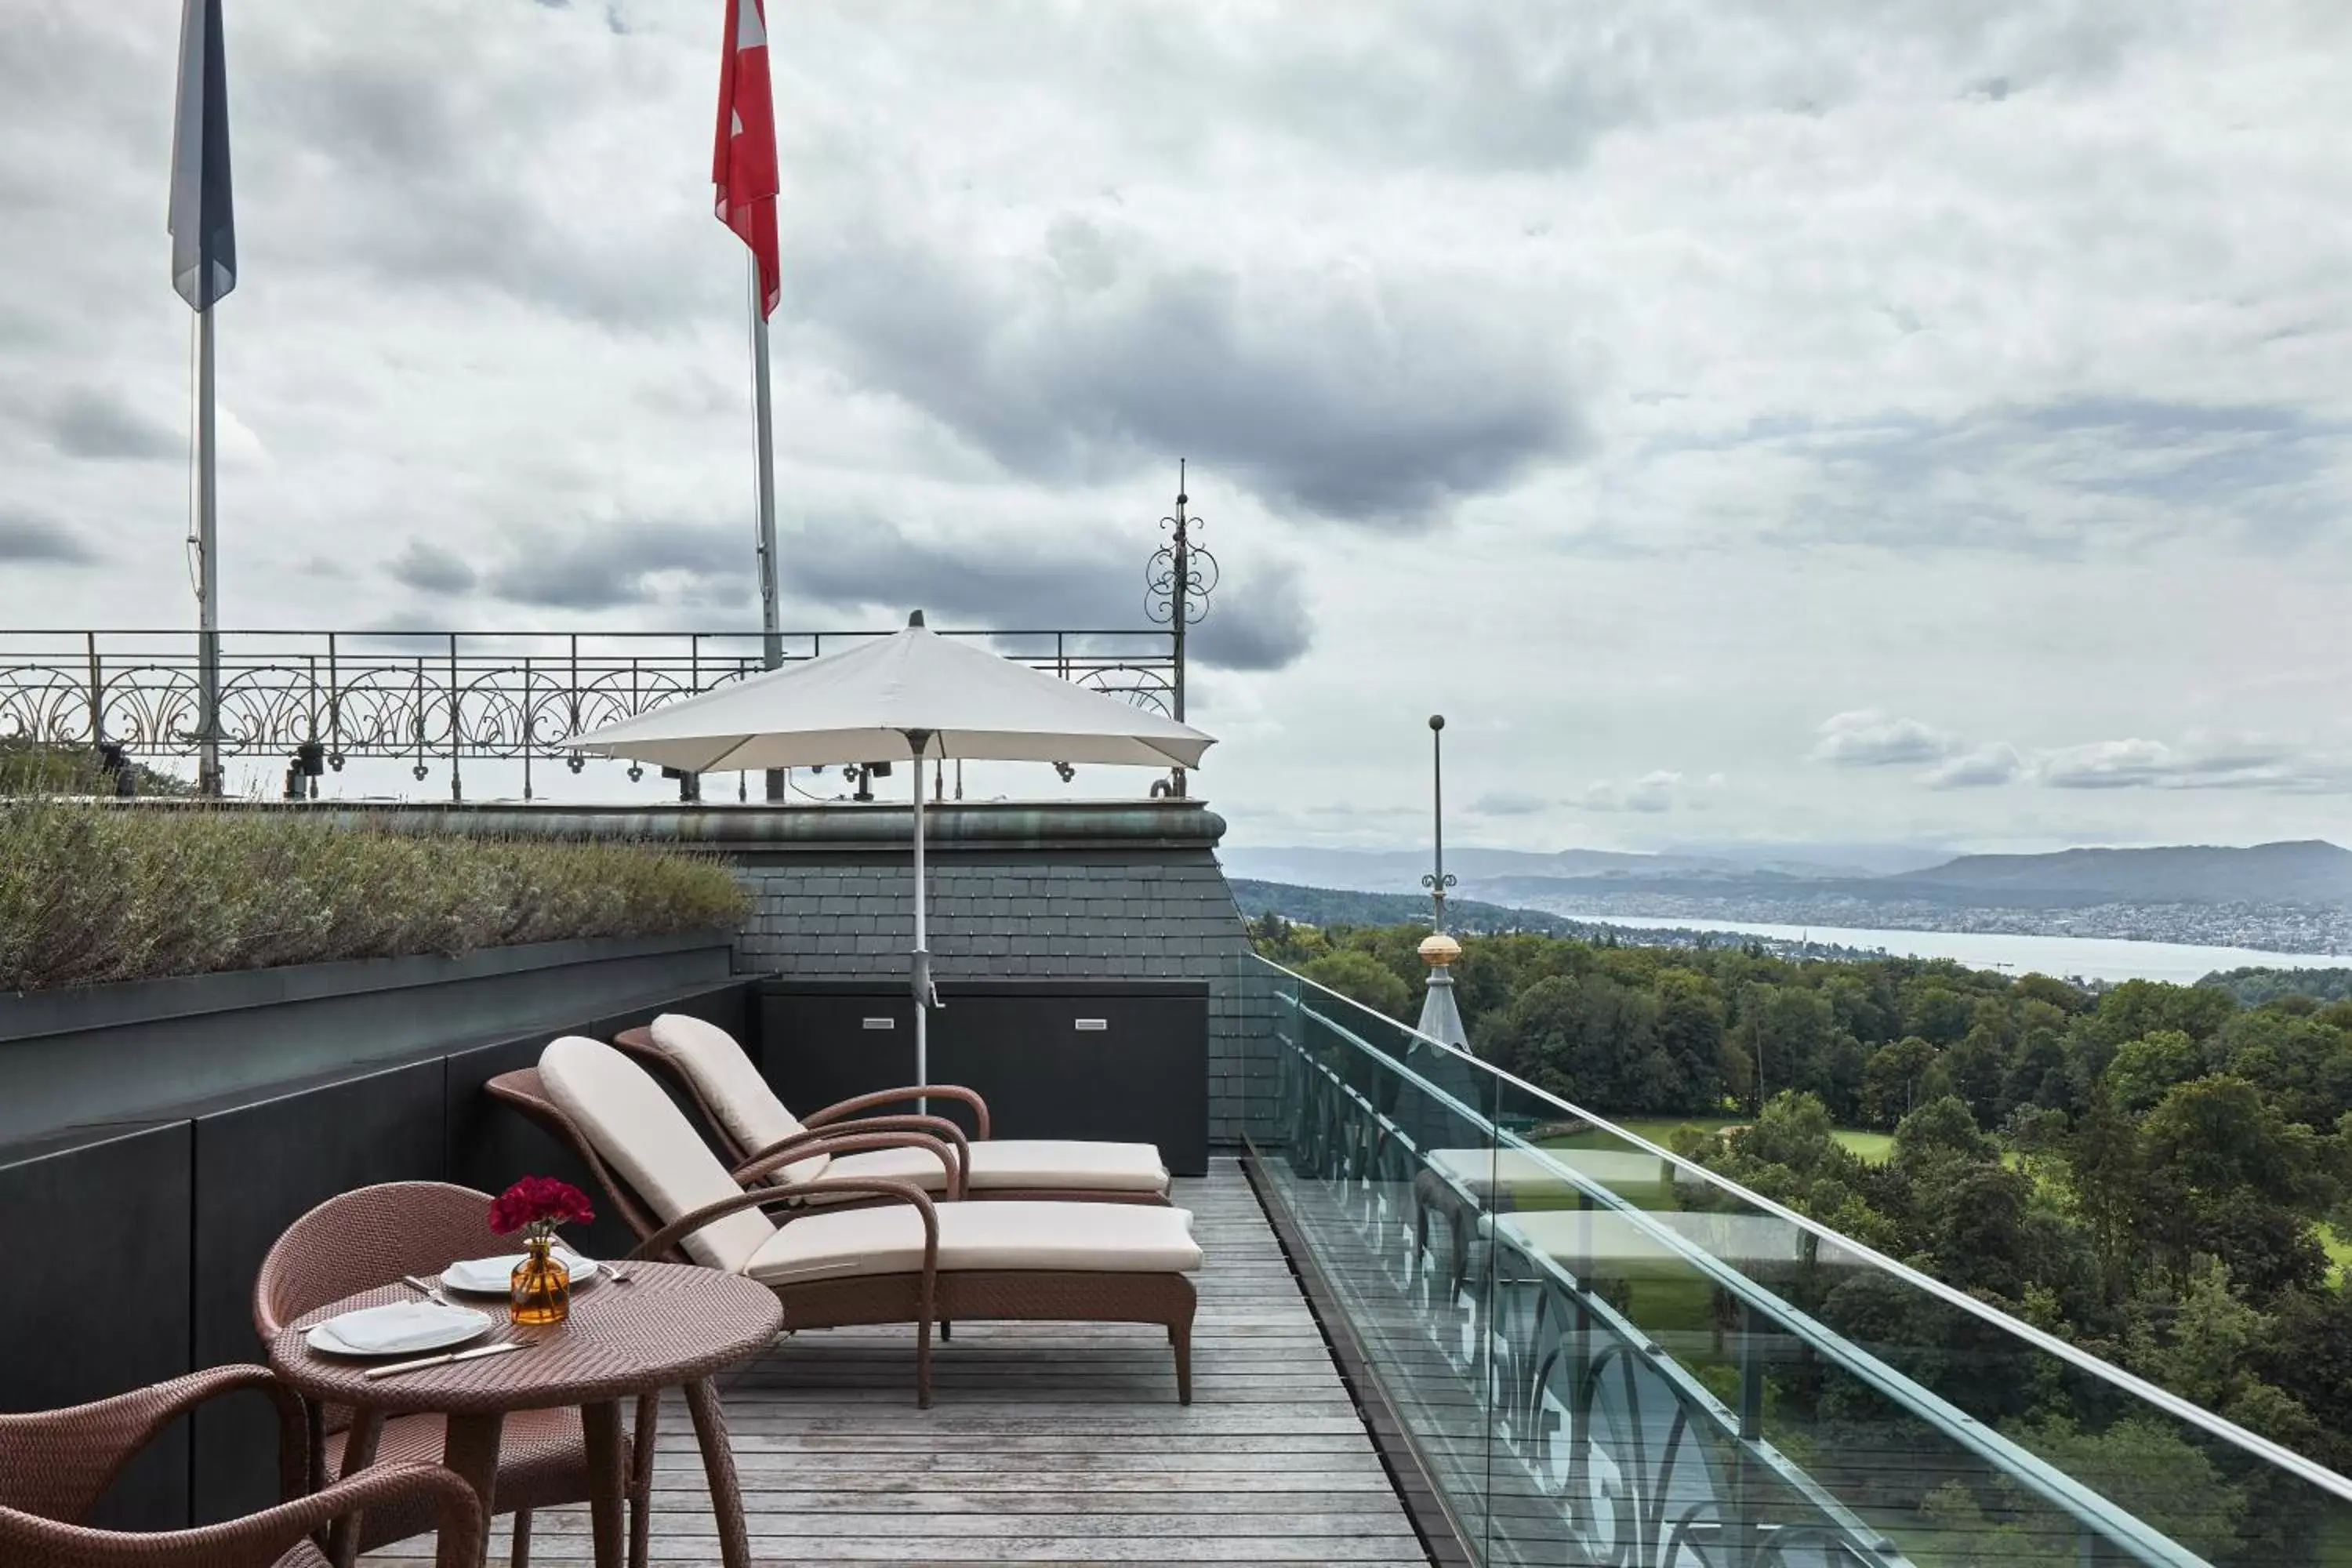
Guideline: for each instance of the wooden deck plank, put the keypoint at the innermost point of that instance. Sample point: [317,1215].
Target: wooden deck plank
[1048,1443]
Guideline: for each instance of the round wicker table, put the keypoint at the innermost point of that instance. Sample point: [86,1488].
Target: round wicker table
[665,1326]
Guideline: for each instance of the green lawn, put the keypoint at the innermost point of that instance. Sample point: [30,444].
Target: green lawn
[1872,1146]
[2339,1253]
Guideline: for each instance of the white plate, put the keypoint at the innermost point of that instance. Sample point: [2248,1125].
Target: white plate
[423,1326]
[495,1276]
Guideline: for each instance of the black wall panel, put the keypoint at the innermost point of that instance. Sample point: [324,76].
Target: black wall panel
[259,1166]
[1119,1060]
[161,1228]
[96,1224]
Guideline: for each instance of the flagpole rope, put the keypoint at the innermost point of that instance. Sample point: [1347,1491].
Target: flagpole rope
[752,390]
[190,546]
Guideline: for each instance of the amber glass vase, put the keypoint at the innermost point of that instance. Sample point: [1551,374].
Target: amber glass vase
[540,1289]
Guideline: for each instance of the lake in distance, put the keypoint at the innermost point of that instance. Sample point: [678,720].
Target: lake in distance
[2065,957]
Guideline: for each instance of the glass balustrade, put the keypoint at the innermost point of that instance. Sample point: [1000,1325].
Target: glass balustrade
[1600,1352]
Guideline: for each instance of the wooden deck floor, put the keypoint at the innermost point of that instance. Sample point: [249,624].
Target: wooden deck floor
[1048,1443]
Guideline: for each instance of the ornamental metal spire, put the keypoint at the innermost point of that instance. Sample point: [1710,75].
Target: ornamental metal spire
[1178,582]
[1441,1018]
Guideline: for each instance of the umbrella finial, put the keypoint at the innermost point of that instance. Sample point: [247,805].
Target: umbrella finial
[916,619]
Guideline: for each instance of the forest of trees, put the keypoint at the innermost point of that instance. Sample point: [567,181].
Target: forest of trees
[2147,1172]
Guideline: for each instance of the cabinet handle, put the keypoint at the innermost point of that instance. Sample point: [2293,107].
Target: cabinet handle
[1094,1022]
[881,1022]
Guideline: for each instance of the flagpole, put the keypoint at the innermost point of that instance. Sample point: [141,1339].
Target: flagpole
[208,764]
[770,616]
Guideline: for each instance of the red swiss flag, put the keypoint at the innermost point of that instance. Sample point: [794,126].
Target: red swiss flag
[744,166]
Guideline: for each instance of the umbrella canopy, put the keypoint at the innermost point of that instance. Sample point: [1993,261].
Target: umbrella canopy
[864,704]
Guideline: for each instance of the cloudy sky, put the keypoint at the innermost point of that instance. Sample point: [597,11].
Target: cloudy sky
[1851,420]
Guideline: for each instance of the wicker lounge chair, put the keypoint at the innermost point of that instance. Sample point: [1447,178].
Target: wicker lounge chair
[910,1260]
[372,1236]
[705,1060]
[56,1465]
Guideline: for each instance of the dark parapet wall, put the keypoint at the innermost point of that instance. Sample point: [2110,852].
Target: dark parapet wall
[1126,892]
[1065,890]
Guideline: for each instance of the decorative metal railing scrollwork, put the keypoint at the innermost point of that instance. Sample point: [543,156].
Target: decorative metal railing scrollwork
[430,697]
[1569,1427]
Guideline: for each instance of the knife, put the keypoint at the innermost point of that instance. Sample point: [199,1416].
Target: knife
[400,1366]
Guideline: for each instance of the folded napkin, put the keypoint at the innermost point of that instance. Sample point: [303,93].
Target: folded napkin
[395,1327]
[491,1274]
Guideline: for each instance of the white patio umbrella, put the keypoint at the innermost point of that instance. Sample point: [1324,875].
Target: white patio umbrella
[910,697]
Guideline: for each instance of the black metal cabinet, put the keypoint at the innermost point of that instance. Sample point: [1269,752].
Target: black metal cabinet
[1121,1060]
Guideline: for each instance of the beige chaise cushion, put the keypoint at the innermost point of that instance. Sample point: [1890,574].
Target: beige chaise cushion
[733,1088]
[755,1118]
[1047,1164]
[1098,1239]
[642,1135]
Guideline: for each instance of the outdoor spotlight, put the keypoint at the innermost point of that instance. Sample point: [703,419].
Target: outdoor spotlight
[113,767]
[1068,772]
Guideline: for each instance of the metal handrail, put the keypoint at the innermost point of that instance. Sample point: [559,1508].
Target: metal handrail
[2187,1410]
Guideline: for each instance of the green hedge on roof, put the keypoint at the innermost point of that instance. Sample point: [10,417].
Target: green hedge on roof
[92,893]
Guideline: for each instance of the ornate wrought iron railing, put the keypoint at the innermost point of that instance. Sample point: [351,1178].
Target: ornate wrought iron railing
[431,697]
[1599,1353]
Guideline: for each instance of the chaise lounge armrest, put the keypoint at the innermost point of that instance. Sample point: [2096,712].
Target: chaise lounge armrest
[813,1141]
[881,1097]
[664,1241]
[955,1160]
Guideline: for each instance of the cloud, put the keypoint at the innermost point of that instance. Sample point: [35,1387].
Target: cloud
[2198,763]
[33,541]
[1982,768]
[1509,803]
[430,569]
[1256,619]
[2057,477]
[1867,738]
[94,425]
[1354,394]
[1659,790]
[641,563]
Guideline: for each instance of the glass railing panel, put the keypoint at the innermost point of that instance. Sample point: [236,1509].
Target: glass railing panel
[1359,1105]
[1610,1354]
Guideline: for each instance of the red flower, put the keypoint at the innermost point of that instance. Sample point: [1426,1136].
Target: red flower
[539,1203]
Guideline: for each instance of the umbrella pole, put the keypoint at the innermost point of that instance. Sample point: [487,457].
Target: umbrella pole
[924,995]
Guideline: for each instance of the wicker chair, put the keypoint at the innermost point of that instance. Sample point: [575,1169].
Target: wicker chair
[372,1236]
[910,1260]
[55,1465]
[707,1063]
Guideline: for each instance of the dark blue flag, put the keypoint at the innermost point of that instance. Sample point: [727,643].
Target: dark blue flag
[204,227]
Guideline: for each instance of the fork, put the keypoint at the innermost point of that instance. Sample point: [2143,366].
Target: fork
[431,1292]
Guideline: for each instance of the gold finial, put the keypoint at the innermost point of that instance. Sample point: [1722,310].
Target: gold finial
[1438,950]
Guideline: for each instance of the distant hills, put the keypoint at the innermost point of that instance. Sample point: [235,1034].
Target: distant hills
[2308,872]
[1376,870]
[2302,871]
[1470,916]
